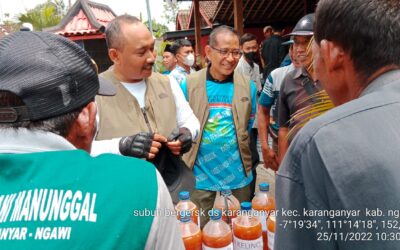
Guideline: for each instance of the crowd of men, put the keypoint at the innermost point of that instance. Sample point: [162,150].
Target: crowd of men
[87,153]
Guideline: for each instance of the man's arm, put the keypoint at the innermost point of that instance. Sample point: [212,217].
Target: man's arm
[253,95]
[141,145]
[269,156]
[283,143]
[164,232]
[184,114]
[284,118]
[186,122]
[266,100]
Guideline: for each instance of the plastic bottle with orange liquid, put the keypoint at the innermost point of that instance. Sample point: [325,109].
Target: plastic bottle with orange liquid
[247,230]
[190,231]
[228,204]
[186,204]
[264,204]
[217,234]
[271,223]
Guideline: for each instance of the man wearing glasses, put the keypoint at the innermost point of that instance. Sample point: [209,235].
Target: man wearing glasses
[225,104]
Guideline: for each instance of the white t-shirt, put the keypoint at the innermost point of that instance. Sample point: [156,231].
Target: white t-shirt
[184,115]
[137,89]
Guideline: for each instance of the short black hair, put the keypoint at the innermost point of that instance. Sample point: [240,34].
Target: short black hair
[368,30]
[179,44]
[212,39]
[114,36]
[246,37]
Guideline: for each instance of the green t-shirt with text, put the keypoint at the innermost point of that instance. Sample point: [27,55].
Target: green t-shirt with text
[70,200]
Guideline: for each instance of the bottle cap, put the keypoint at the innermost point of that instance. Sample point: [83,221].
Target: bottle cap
[226,192]
[184,195]
[264,187]
[246,206]
[215,214]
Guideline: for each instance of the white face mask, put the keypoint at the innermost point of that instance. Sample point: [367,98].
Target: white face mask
[189,60]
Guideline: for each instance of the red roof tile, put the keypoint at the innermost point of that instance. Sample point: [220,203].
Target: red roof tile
[78,25]
[84,18]
[207,11]
[208,8]
[182,19]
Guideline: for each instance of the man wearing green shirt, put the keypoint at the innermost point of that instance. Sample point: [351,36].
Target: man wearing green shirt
[53,194]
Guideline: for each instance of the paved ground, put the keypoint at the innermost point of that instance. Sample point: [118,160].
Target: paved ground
[263,174]
[266,175]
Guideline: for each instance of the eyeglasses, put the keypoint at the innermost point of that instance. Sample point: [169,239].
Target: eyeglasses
[225,52]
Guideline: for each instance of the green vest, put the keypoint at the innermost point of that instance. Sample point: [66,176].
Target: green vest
[70,200]
[121,114]
[241,111]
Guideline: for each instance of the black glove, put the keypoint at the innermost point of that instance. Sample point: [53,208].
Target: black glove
[136,145]
[183,135]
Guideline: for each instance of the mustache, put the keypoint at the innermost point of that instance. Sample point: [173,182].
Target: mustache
[148,65]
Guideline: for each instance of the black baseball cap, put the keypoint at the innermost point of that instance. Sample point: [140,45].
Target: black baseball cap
[51,74]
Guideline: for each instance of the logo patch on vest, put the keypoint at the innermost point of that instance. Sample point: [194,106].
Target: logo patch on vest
[163,95]
[244,99]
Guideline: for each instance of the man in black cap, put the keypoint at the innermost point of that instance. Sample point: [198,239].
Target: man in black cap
[169,60]
[298,85]
[53,194]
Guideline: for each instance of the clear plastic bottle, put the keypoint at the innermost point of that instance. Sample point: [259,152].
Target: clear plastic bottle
[185,204]
[271,223]
[228,204]
[191,233]
[247,230]
[264,204]
[217,234]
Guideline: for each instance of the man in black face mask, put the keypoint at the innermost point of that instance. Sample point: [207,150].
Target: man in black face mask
[247,66]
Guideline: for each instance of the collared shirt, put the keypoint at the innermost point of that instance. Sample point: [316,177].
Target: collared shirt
[164,232]
[251,70]
[346,160]
[293,96]
[180,74]
[269,97]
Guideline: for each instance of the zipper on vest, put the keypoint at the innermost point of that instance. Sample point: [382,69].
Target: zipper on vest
[146,119]
[237,139]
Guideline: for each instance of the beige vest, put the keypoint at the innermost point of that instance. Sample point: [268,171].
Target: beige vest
[241,110]
[121,114]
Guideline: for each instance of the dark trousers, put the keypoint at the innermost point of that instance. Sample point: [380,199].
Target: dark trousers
[255,159]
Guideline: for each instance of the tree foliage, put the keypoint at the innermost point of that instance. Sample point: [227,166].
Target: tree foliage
[170,11]
[44,15]
[158,28]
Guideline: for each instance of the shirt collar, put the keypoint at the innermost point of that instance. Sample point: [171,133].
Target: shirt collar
[299,72]
[210,78]
[384,79]
[27,141]
[180,69]
[249,64]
